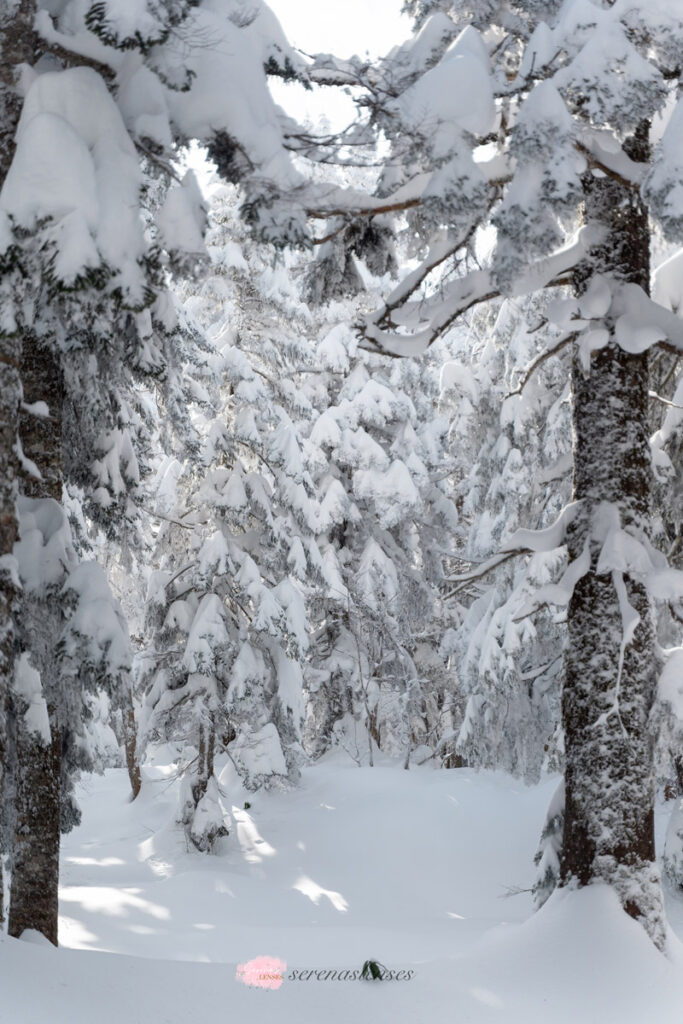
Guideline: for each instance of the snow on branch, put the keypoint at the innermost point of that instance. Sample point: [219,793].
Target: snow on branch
[641,322]
[326,201]
[439,312]
[558,594]
[671,681]
[465,578]
[83,45]
[547,353]
[329,70]
[547,539]
[460,295]
[627,550]
[616,164]
[523,542]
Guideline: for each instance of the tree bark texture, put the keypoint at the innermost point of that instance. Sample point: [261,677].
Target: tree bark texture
[609,690]
[17,46]
[35,856]
[130,736]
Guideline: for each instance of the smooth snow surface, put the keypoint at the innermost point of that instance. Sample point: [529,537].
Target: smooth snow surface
[413,869]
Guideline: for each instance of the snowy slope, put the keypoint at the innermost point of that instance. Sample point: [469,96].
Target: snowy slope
[410,868]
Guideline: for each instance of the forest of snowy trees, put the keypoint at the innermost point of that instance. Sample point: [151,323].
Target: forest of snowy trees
[371,442]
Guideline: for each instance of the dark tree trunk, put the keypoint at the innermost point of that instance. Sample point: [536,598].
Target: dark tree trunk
[17,46]
[41,437]
[204,763]
[606,704]
[10,397]
[35,857]
[130,738]
[678,767]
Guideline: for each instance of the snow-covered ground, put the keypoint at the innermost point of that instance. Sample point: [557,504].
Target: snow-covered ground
[417,870]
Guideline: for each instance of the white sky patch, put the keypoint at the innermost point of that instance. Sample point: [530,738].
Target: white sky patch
[355,27]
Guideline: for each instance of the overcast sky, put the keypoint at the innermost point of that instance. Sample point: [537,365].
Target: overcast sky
[343,28]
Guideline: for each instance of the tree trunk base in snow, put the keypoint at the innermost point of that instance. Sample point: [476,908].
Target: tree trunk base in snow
[611,665]
[130,743]
[35,856]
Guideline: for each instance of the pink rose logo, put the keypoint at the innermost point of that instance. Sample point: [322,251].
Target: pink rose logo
[262,972]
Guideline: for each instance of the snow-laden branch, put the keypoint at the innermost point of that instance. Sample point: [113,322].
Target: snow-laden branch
[439,312]
[670,690]
[641,322]
[323,201]
[522,542]
[329,70]
[624,552]
[545,540]
[442,249]
[82,45]
[465,578]
[664,401]
[614,163]
[559,593]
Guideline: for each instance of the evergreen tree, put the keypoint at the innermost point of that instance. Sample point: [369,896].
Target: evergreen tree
[17,46]
[539,127]
[86,248]
[519,432]
[377,456]
[237,556]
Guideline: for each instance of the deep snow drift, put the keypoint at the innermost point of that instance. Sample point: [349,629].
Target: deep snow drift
[414,869]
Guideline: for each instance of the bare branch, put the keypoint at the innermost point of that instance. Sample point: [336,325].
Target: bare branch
[180,572]
[539,360]
[163,164]
[365,211]
[664,401]
[483,570]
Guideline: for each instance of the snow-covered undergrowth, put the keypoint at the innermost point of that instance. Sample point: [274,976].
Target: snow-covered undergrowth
[418,870]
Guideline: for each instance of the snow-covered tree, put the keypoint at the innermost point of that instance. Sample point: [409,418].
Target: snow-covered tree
[297,512]
[521,150]
[521,158]
[377,456]
[16,47]
[237,555]
[54,698]
[95,99]
[511,439]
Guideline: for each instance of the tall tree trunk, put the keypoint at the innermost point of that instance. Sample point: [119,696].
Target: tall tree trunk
[609,690]
[202,774]
[35,859]
[10,398]
[17,46]
[35,855]
[130,742]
